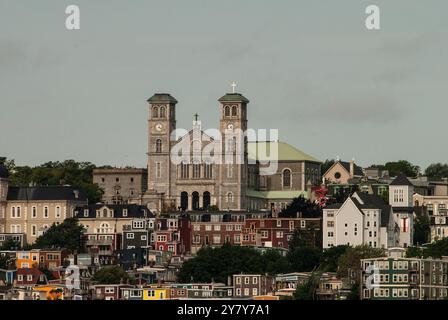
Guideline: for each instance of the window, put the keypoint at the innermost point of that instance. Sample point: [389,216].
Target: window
[162,112]
[155,112]
[234,111]
[330,224]
[33,230]
[13,212]
[238,280]
[286,178]
[46,212]
[229,197]
[158,170]
[227,111]
[229,171]
[208,171]
[158,146]
[58,212]
[196,171]
[254,291]
[254,280]
[130,235]
[302,224]
[33,212]
[125,212]
[184,174]
[246,280]
[279,234]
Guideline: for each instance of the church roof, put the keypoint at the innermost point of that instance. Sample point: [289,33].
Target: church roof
[286,152]
[275,194]
[401,180]
[162,97]
[233,97]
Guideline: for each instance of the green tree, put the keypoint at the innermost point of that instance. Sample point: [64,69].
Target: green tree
[354,292]
[330,258]
[436,249]
[350,261]
[274,262]
[414,252]
[66,235]
[421,230]
[10,244]
[326,165]
[110,275]
[402,166]
[436,171]
[303,259]
[6,262]
[307,290]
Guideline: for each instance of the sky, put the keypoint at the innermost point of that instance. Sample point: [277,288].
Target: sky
[309,68]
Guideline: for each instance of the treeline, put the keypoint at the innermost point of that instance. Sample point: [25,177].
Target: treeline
[435,171]
[69,172]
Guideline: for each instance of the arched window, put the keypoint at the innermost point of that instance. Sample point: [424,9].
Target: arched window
[234,111]
[158,146]
[229,197]
[155,112]
[104,228]
[162,112]
[286,178]
[227,111]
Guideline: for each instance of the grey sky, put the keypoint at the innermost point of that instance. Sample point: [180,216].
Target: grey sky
[310,68]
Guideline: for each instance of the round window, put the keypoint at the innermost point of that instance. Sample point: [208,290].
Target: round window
[337,175]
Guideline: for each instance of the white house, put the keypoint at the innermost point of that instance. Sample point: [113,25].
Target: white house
[361,219]
[401,192]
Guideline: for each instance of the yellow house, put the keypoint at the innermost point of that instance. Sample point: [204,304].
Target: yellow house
[156,294]
[48,293]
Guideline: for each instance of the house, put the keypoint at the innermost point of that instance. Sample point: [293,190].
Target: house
[30,277]
[18,238]
[341,172]
[33,210]
[401,192]
[121,185]
[436,208]
[287,283]
[398,278]
[361,219]
[277,232]
[27,259]
[156,293]
[108,291]
[250,285]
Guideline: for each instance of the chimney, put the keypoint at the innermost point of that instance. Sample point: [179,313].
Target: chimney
[352,167]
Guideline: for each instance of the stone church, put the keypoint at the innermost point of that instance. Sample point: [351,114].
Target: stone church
[239,185]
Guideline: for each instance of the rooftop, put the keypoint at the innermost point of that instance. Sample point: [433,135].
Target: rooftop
[261,151]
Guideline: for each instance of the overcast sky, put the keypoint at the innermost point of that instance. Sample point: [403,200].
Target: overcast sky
[309,68]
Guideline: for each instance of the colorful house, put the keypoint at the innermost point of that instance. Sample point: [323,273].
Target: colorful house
[156,293]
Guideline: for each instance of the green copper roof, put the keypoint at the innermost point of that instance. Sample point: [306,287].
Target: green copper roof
[162,97]
[286,152]
[233,97]
[275,194]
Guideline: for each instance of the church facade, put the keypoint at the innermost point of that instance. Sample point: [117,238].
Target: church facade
[233,181]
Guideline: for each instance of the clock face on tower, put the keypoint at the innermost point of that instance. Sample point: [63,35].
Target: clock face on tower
[158,127]
[230,126]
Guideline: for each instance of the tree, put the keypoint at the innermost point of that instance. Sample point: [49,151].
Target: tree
[437,171]
[110,275]
[414,252]
[330,258]
[350,261]
[402,166]
[421,230]
[302,206]
[436,249]
[304,259]
[354,292]
[10,244]
[6,262]
[274,262]
[66,235]
[307,290]
[326,165]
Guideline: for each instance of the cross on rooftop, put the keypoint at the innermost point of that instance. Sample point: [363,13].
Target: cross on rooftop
[196,117]
[233,86]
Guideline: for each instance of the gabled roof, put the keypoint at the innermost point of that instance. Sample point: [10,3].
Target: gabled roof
[46,193]
[373,201]
[401,180]
[346,165]
[286,152]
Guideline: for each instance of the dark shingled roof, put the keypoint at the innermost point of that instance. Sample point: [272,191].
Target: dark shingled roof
[46,193]
[162,97]
[233,97]
[357,169]
[401,180]
[134,210]
[373,201]
[3,171]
